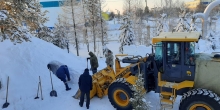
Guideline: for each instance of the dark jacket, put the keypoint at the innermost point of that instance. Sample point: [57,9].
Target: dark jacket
[62,73]
[93,61]
[85,81]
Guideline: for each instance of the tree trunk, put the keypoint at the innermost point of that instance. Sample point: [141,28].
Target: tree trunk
[93,28]
[101,25]
[74,26]
[87,39]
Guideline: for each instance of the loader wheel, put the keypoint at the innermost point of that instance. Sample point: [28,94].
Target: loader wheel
[119,94]
[199,99]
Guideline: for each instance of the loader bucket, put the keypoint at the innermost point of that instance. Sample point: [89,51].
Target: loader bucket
[100,83]
[77,95]
[92,93]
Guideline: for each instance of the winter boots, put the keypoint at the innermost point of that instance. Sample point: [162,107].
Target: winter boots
[67,87]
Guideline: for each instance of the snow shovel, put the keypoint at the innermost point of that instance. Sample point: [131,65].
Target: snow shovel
[5,105]
[40,88]
[53,92]
[37,91]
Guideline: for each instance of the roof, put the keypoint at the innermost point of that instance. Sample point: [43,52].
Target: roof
[177,36]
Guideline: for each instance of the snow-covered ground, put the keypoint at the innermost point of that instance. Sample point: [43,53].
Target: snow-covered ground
[25,62]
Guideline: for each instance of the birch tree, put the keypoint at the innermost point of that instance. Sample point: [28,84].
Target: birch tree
[94,12]
[97,24]
[69,17]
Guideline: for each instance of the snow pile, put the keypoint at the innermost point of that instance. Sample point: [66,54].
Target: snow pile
[24,63]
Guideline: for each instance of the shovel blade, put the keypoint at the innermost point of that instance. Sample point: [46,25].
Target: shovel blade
[53,93]
[5,105]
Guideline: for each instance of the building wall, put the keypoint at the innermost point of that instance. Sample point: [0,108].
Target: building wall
[53,8]
[193,4]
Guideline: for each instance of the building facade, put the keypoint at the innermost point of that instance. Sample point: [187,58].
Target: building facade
[193,4]
[54,9]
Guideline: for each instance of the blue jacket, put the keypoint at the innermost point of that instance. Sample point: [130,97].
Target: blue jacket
[62,72]
[85,81]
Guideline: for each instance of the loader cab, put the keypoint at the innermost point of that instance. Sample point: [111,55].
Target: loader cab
[175,56]
[178,61]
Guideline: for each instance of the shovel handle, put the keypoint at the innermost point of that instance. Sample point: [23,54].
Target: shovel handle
[51,80]
[40,88]
[7,90]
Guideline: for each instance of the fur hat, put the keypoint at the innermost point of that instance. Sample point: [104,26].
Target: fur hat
[86,69]
[48,66]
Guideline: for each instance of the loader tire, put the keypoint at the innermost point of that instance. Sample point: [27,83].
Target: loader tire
[119,94]
[200,99]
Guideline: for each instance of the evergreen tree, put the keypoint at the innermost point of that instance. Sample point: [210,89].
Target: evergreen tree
[146,10]
[17,13]
[213,41]
[111,16]
[192,24]
[183,25]
[127,34]
[138,100]
[45,33]
[160,24]
[60,38]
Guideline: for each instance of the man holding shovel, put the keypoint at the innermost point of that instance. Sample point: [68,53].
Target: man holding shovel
[61,71]
[93,62]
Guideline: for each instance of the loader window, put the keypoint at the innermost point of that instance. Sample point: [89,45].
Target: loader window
[173,53]
[189,53]
[158,54]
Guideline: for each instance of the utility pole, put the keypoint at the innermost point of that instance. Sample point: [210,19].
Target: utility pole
[74,26]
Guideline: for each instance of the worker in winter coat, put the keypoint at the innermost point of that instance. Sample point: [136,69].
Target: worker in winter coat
[93,62]
[85,85]
[61,71]
[109,58]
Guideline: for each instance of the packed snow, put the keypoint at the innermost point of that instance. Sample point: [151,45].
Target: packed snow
[25,62]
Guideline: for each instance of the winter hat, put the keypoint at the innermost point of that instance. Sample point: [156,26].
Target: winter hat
[90,53]
[86,70]
[48,66]
[109,51]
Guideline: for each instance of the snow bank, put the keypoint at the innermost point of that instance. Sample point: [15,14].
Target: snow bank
[25,62]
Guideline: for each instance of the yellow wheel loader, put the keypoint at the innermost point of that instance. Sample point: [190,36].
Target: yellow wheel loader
[116,84]
[173,68]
